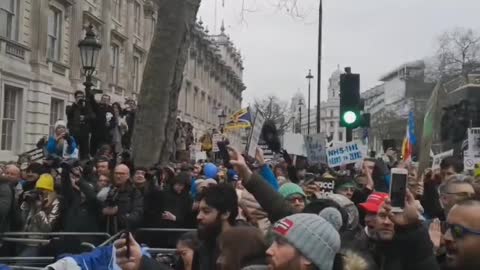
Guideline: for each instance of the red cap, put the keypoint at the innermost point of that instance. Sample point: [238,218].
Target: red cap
[374,202]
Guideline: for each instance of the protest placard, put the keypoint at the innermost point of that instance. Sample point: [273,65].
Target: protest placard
[294,144]
[217,137]
[315,147]
[437,159]
[343,154]
[258,122]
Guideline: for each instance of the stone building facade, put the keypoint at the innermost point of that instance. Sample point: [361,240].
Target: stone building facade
[212,81]
[40,65]
[329,112]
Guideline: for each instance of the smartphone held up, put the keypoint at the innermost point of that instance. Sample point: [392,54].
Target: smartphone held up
[398,189]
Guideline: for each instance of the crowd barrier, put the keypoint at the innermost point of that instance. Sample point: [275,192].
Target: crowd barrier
[166,237]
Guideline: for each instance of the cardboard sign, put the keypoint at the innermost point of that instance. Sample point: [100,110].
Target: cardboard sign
[343,154]
[437,159]
[474,141]
[258,122]
[315,146]
[294,144]
[326,187]
[217,137]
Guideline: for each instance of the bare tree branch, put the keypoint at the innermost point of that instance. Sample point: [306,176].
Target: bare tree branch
[276,111]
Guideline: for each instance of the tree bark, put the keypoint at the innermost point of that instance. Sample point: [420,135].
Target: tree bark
[155,123]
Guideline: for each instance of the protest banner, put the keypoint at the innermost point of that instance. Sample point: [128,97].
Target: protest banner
[315,147]
[437,159]
[343,154]
[256,131]
[294,144]
[326,186]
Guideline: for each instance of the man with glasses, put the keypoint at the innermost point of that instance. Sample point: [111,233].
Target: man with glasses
[453,190]
[294,195]
[462,239]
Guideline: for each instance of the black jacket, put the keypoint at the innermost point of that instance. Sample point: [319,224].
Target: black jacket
[7,197]
[129,201]
[81,209]
[79,119]
[411,249]
[180,205]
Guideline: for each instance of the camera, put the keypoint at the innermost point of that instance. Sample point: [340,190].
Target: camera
[32,196]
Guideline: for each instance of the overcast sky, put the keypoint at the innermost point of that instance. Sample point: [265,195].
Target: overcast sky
[371,36]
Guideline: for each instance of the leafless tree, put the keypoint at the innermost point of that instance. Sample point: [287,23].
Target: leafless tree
[275,110]
[458,53]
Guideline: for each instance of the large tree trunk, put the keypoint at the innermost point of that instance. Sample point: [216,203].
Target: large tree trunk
[155,121]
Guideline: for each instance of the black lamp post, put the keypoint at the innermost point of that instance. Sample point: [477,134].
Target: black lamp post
[300,104]
[89,49]
[222,117]
[309,78]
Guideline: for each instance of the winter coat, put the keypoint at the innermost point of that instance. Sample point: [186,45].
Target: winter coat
[78,119]
[80,208]
[69,150]
[43,219]
[7,197]
[411,249]
[180,205]
[129,201]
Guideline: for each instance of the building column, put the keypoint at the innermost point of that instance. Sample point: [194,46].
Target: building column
[103,66]
[39,33]
[76,34]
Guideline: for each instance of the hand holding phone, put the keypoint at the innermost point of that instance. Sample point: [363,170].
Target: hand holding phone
[398,189]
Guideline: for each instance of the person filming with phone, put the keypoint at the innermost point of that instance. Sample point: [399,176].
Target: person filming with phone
[399,240]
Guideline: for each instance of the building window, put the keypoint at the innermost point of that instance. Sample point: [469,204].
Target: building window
[332,124]
[8,19]
[154,23]
[117,9]
[340,136]
[137,17]
[54,33]
[9,117]
[331,113]
[187,95]
[115,60]
[136,74]
[56,113]
[195,100]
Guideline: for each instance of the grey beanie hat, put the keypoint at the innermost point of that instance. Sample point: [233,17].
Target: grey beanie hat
[314,237]
[350,208]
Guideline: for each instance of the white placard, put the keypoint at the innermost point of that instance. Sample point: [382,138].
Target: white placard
[437,159]
[344,154]
[294,144]
[256,132]
[474,141]
[315,146]
[200,156]
[217,137]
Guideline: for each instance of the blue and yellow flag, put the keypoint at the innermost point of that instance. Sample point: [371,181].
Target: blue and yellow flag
[239,120]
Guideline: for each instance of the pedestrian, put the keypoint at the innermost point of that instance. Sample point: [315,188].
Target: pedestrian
[187,245]
[79,117]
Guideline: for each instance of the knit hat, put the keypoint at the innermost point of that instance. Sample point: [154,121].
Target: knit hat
[289,189]
[60,123]
[312,236]
[349,207]
[345,182]
[45,182]
[374,202]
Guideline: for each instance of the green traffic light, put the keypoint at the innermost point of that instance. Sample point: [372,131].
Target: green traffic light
[349,117]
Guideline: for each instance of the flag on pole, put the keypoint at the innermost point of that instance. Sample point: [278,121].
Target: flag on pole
[239,120]
[430,121]
[410,140]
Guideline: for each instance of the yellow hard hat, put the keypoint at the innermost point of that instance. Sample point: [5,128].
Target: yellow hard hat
[45,182]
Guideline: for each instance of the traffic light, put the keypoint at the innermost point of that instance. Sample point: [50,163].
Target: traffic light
[350,103]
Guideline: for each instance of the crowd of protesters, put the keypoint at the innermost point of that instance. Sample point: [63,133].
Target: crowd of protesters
[248,213]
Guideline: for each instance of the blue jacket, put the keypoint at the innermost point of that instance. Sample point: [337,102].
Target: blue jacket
[71,151]
[268,175]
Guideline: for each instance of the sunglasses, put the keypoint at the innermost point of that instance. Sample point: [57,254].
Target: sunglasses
[296,199]
[459,232]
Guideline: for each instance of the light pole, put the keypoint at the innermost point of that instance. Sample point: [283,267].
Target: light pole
[319,67]
[300,104]
[221,118]
[309,78]
[89,49]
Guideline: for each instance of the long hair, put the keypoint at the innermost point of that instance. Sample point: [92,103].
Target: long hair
[240,246]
